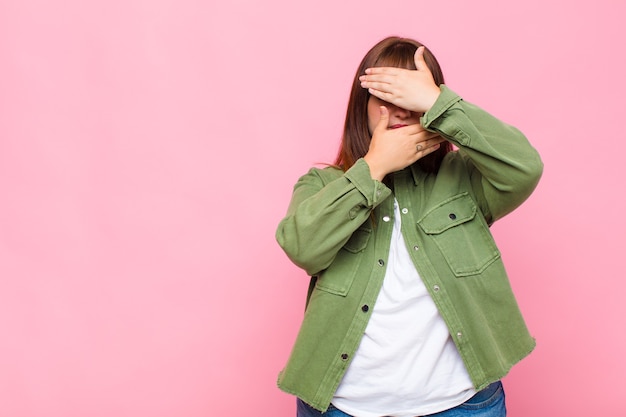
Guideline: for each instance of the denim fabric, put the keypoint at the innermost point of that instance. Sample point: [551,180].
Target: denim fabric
[305,410]
[486,403]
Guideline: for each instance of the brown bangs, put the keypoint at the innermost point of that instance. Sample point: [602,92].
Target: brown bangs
[400,55]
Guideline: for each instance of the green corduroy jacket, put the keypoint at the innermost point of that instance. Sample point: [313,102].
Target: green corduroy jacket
[338,229]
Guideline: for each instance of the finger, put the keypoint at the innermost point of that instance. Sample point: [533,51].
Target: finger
[429,140]
[437,138]
[420,64]
[416,128]
[425,150]
[432,145]
[381,86]
[382,70]
[384,96]
[432,148]
[384,119]
[430,136]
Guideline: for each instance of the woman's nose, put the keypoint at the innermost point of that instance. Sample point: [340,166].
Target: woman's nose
[400,112]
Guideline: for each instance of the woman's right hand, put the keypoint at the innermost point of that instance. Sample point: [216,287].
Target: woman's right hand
[394,149]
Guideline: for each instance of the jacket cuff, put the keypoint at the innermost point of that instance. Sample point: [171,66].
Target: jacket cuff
[446,99]
[374,191]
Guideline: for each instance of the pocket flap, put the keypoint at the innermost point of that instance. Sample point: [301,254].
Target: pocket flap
[449,213]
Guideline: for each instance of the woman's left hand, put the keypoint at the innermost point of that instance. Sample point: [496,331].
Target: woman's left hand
[413,90]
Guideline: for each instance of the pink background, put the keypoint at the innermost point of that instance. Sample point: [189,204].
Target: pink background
[148,149]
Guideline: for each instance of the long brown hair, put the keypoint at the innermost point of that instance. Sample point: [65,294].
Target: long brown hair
[390,52]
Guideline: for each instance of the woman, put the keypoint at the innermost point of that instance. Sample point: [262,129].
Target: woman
[409,310]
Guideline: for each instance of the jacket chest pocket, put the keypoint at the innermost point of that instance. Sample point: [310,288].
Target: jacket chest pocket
[463,239]
[338,278]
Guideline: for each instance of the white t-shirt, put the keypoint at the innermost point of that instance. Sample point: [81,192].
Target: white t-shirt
[407,364]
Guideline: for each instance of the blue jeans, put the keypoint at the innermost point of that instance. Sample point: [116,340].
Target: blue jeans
[486,403]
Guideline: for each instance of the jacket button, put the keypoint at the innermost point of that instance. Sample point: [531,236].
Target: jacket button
[344,356]
[381,262]
[365,308]
[386,218]
[452,216]
[405,210]
[436,288]
[416,247]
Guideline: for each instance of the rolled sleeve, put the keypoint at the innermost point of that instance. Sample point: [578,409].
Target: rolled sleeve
[374,191]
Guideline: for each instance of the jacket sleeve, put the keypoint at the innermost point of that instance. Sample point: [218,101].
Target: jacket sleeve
[326,207]
[504,167]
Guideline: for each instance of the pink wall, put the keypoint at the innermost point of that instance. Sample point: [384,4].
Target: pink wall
[148,150]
